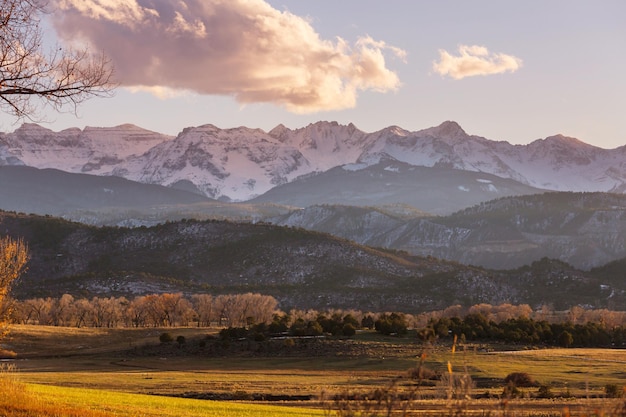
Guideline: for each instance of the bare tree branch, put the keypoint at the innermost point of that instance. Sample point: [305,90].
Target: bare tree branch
[30,78]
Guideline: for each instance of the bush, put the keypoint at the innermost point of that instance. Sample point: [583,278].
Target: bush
[511,391]
[233,333]
[367,322]
[181,340]
[613,391]
[520,379]
[348,330]
[423,373]
[166,338]
[391,324]
[565,339]
[544,391]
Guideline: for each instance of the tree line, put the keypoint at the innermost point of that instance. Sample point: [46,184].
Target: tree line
[154,310]
[250,314]
[525,330]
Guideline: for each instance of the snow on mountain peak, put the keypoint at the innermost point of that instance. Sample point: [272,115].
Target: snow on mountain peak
[240,163]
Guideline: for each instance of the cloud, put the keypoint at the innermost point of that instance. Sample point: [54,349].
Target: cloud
[474,60]
[242,48]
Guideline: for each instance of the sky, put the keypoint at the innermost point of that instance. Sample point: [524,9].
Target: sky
[514,71]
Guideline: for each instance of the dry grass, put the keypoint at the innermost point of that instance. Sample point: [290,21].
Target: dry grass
[71,359]
[579,372]
[22,400]
[37,341]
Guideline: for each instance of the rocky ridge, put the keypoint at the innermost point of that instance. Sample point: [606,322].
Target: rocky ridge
[241,163]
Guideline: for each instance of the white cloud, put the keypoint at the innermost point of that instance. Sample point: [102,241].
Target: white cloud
[474,60]
[243,48]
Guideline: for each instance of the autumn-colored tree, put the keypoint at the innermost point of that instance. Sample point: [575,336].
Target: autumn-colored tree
[13,258]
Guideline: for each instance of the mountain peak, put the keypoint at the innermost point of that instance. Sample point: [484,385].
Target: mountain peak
[280,132]
[447,130]
[450,129]
[565,139]
[32,127]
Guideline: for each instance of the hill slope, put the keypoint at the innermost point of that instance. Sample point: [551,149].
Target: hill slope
[433,190]
[584,229]
[302,269]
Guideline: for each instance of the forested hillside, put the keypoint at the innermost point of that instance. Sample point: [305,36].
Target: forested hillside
[300,268]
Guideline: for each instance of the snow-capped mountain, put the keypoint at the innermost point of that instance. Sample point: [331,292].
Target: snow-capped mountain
[556,163]
[233,163]
[92,150]
[325,145]
[241,163]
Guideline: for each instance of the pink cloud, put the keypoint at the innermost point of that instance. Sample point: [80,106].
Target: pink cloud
[246,49]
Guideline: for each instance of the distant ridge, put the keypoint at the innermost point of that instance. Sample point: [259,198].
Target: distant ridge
[50,191]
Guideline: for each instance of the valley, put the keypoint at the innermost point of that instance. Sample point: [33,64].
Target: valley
[137,374]
[326,220]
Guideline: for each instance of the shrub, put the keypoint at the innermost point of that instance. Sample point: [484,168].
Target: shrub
[367,322]
[423,373]
[233,333]
[613,391]
[166,338]
[181,340]
[544,391]
[565,339]
[511,391]
[391,324]
[348,330]
[520,379]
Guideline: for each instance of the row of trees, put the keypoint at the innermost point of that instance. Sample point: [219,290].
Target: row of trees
[503,312]
[155,310]
[477,327]
[243,310]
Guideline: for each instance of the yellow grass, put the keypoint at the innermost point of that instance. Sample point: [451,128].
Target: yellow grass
[90,375]
[582,371]
[19,400]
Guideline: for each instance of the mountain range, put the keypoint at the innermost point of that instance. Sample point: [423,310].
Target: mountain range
[240,164]
[435,192]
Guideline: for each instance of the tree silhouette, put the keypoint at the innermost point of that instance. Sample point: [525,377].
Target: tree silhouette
[29,76]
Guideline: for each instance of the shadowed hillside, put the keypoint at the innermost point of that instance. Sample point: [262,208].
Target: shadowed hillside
[300,268]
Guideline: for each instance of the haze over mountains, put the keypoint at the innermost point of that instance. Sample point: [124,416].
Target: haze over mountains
[585,230]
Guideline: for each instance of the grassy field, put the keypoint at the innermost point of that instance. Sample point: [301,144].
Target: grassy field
[92,370]
[45,400]
[581,371]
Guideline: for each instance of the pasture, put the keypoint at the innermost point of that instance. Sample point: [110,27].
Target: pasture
[127,372]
